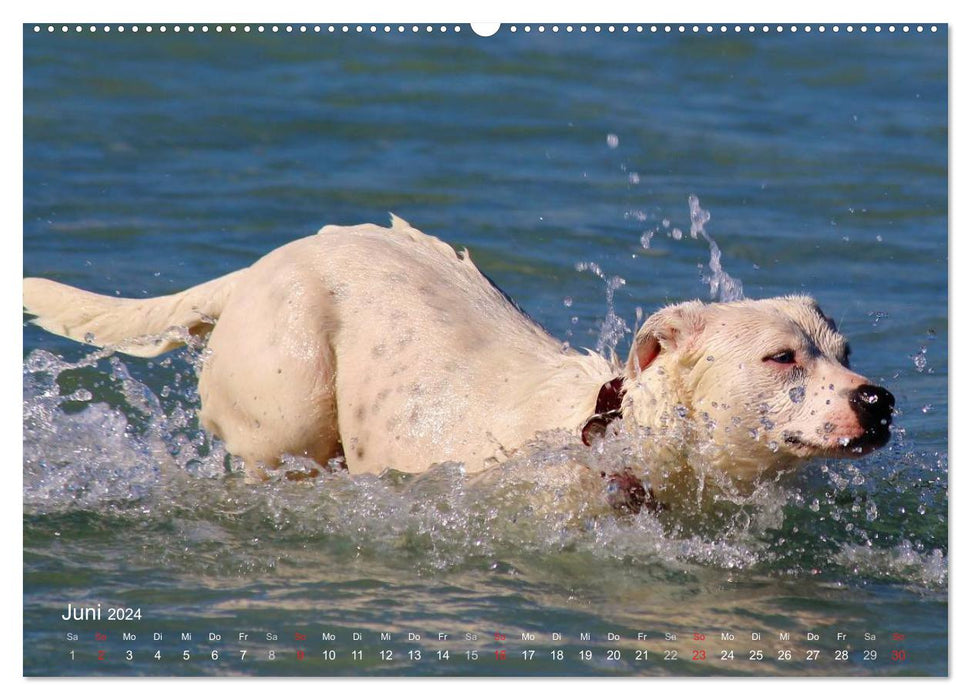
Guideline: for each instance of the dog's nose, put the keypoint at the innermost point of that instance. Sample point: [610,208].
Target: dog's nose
[873,406]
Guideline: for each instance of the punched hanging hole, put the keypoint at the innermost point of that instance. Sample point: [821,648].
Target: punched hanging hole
[485,28]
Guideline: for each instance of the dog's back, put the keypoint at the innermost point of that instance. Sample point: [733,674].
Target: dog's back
[383,343]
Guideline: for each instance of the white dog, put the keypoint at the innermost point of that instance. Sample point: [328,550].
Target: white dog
[388,346]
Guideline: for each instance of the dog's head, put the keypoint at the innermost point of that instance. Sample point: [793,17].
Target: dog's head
[754,385]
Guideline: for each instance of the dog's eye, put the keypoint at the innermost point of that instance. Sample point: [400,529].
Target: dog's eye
[786,357]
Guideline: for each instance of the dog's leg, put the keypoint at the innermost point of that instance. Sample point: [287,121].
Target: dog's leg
[267,385]
[626,492]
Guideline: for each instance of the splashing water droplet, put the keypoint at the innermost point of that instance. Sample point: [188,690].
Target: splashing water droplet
[41,361]
[613,327]
[80,395]
[871,511]
[676,234]
[699,217]
[646,239]
[612,141]
[920,359]
[877,316]
[721,286]
[568,302]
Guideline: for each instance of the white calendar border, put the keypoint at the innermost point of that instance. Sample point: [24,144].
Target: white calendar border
[832,11]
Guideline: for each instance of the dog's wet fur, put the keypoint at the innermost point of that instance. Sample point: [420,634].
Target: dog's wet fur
[388,347]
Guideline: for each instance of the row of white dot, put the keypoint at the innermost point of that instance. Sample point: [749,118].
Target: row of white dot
[666,28]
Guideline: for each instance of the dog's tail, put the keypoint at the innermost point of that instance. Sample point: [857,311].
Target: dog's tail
[142,327]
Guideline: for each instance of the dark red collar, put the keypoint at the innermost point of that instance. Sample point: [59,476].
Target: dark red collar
[625,491]
[609,401]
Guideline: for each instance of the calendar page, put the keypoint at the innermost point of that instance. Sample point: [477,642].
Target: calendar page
[445,350]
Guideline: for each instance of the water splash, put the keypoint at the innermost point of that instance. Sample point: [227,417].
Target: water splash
[721,286]
[901,562]
[877,316]
[920,359]
[114,447]
[613,328]
[110,441]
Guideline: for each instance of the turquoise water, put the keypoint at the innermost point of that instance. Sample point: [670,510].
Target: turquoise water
[154,162]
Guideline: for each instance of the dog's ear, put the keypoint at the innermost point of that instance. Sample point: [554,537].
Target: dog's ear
[671,329]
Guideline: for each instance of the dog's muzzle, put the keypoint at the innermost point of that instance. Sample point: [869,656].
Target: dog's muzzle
[873,406]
